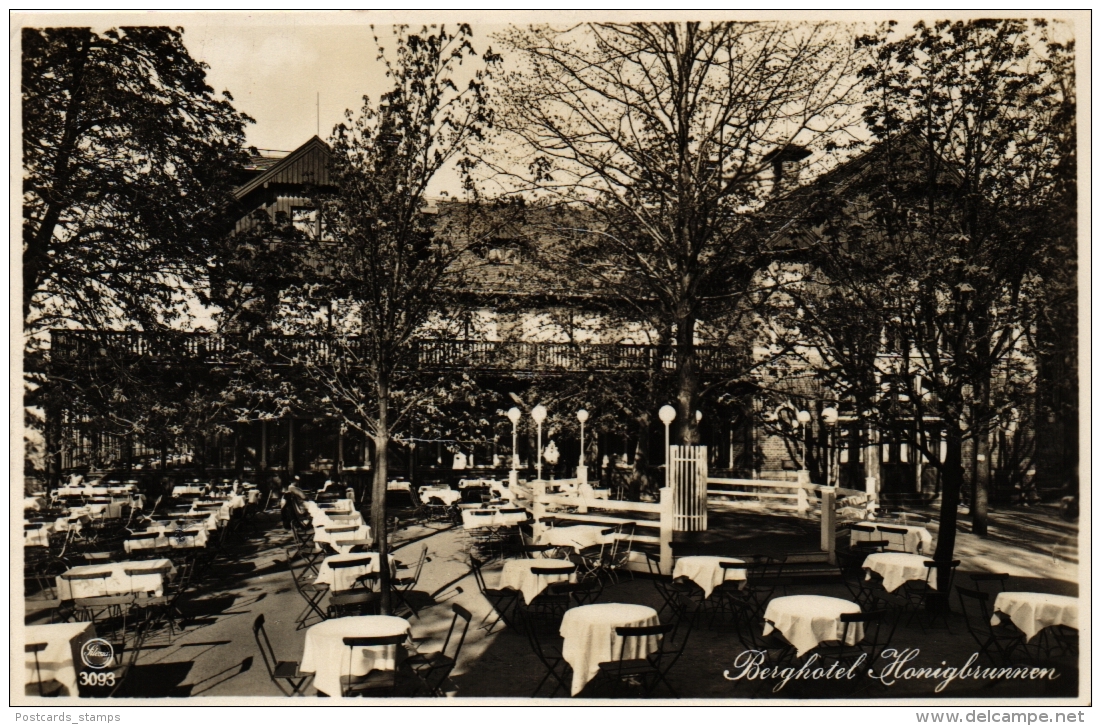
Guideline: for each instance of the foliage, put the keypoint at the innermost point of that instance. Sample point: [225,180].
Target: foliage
[662,133]
[935,243]
[128,158]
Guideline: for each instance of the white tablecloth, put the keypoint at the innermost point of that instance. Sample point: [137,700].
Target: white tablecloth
[899,567]
[517,574]
[589,637]
[39,537]
[447,496]
[188,489]
[498,519]
[322,516]
[344,578]
[57,662]
[578,536]
[225,506]
[706,572]
[74,522]
[335,532]
[209,520]
[917,539]
[117,582]
[326,656]
[169,536]
[34,503]
[1031,612]
[807,620]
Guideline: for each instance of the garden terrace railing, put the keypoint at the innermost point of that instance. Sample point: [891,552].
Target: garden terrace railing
[80,346]
[653,520]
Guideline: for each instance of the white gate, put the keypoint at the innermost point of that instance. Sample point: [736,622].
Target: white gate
[688,475]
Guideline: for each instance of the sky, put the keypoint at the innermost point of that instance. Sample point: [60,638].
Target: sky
[296,78]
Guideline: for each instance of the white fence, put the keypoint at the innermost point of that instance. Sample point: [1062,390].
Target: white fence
[657,528]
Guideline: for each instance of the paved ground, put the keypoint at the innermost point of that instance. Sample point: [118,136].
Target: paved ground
[217,655]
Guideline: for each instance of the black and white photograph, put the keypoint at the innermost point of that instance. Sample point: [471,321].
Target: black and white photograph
[551,358]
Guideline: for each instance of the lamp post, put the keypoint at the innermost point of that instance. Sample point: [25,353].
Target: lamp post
[539,413]
[667,413]
[514,417]
[582,472]
[803,417]
[829,417]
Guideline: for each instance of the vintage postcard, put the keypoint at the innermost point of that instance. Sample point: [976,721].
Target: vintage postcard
[550,358]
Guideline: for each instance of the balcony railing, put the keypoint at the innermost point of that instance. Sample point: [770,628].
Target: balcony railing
[77,347]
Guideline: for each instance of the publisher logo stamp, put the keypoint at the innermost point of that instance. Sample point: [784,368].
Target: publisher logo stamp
[97,653]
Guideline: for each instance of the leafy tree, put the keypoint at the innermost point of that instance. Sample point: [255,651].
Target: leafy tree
[946,234]
[128,157]
[662,133]
[387,270]
[128,160]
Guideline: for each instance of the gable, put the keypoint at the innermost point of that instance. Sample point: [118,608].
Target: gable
[308,164]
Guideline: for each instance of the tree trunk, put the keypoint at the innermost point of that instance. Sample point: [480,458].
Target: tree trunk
[378,494]
[641,472]
[688,382]
[950,500]
[980,480]
[52,441]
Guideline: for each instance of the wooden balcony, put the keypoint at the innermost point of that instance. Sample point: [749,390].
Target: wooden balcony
[69,347]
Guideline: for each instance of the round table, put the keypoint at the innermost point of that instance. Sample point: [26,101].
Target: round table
[707,572]
[578,536]
[496,519]
[589,637]
[899,567]
[517,574]
[807,620]
[446,496]
[343,578]
[917,538]
[1031,612]
[326,656]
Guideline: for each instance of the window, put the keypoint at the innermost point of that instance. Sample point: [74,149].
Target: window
[305,220]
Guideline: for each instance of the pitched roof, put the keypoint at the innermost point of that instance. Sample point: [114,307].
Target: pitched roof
[310,158]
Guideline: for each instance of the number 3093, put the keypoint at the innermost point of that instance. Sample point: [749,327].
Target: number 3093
[92,678]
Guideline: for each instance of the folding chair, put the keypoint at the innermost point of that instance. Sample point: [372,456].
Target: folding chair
[619,554]
[996,642]
[38,688]
[399,586]
[862,532]
[377,682]
[278,670]
[680,595]
[550,605]
[312,593]
[338,565]
[549,654]
[638,671]
[537,551]
[922,594]
[434,668]
[501,600]
[870,645]
[895,536]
